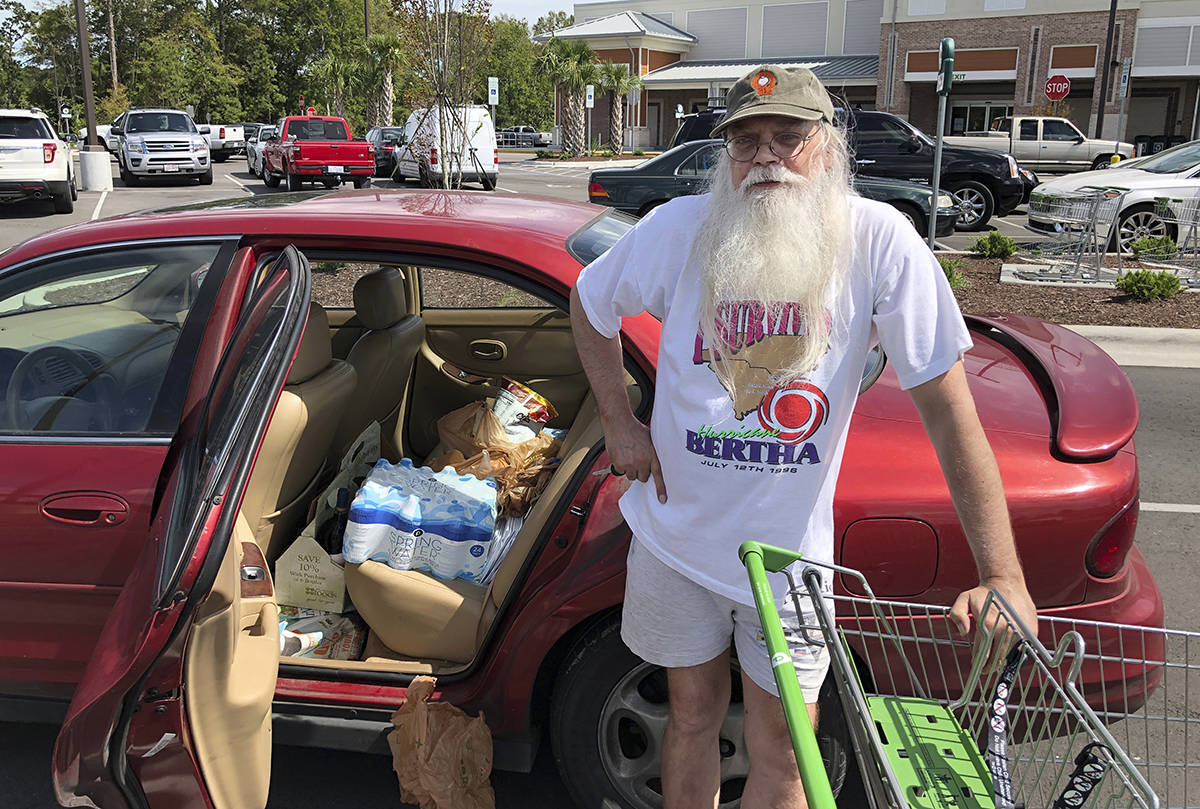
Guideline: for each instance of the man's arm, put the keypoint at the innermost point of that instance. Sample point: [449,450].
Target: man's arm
[626,438]
[948,413]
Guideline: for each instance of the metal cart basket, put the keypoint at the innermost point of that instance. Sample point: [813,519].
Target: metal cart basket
[1183,212]
[1083,221]
[934,720]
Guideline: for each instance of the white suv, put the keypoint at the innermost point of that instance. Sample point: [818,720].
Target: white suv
[34,162]
[153,142]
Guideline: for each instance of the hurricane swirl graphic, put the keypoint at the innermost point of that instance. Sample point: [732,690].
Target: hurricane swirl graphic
[797,410]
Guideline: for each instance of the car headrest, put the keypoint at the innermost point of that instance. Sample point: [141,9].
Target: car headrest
[380,298]
[316,352]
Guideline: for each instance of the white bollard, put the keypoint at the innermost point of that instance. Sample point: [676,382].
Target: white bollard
[95,170]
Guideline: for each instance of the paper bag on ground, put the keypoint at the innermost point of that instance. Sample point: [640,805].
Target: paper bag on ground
[442,758]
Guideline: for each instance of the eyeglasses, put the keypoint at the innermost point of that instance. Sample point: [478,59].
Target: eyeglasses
[785,145]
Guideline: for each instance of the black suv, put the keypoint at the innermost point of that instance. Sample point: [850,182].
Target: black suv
[987,182]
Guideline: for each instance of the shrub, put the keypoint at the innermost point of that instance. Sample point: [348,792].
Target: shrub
[1146,285]
[638,152]
[605,153]
[994,245]
[543,154]
[1154,247]
[950,267]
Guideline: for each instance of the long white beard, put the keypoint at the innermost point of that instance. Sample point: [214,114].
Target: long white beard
[783,245]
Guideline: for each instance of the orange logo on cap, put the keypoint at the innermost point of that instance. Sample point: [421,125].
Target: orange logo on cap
[764,82]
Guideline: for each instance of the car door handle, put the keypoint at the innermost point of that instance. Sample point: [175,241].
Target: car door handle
[492,350]
[85,508]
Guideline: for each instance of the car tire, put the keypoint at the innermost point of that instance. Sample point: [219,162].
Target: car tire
[294,183]
[1137,222]
[74,188]
[270,179]
[488,184]
[129,178]
[362,182]
[979,203]
[1101,161]
[206,178]
[593,733]
[64,202]
[915,217]
[220,158]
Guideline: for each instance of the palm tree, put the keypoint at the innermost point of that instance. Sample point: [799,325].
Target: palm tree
[388,55]
[336,76]
[572,66]
[618,82]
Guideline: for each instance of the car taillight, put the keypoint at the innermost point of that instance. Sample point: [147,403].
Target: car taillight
[48,150]
[389,148]
[596,190]
[1108,549]
[432,156]
[495,157]
[222,135]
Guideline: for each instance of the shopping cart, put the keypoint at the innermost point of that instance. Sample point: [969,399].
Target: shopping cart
[933,722]
[1183,213]
[1081,223]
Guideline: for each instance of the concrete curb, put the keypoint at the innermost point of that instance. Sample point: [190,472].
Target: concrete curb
[1147,347]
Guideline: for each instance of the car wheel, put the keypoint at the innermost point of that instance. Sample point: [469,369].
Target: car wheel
[976,204]
[607,718]
[220,158]
[270,179]
[206,178]
[294,183]
[74,188]
[650,206]
[488,184]
[1140,222]
[1101,161]
[914,216]
[362,182]
[64,202]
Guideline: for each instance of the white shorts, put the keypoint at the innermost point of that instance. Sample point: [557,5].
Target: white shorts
[671,621]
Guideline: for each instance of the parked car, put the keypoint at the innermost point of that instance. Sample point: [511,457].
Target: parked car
[34,162]
[315,148]
[103,133]
[161,142]
[1174,172]
[1045,143]
[523,136]
[226,140]
[385,140]
[254,146]
[987,182]
[685,170]
[167,376]
[474,155]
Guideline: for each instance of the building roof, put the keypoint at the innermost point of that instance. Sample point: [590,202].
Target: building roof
[623,24]
[826,68]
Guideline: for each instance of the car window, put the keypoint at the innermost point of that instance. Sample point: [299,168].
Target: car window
[593,239]
[453,289]
[878,131]
[23,127]
[1176,159]
[1058,130]
[159,122]
[318,130]
[1003,125]
[333,279]
[701,163]
[1029,130]
[86,340]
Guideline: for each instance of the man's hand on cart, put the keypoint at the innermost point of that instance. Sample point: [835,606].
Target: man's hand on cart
[971,603]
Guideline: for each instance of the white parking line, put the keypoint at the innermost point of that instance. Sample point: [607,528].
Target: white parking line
[509,190]
[1175,508]
[240,183]
[99,204]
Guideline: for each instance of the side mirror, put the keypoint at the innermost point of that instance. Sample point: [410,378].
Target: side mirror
[912,145]
[1080,139]
[116,130]
[204,130]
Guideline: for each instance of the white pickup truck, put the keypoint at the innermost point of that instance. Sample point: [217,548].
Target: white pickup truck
[1045,144]
[225,140]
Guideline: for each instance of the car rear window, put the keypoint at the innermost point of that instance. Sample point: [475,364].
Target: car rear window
[318,130]
[591,241]
[23,127]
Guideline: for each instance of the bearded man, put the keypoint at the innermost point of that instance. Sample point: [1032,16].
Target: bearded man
[771,289]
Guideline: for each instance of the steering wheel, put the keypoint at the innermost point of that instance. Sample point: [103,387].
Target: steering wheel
[103,386]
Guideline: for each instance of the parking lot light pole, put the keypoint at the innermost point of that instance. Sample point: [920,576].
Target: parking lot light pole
[944,80]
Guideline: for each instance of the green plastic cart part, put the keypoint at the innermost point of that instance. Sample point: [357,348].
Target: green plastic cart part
[755,557]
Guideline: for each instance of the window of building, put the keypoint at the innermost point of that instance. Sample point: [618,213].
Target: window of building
[1162,46]
[1003,5]
[721,33]
[796,29]
[862,27]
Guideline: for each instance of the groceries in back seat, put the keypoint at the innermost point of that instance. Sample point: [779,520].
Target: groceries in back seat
[412,518]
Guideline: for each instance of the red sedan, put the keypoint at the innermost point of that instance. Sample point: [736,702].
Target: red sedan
[165,429]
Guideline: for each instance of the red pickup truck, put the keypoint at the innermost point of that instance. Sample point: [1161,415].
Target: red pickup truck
[316,148]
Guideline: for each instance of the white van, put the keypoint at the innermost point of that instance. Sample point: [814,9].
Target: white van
[472,148]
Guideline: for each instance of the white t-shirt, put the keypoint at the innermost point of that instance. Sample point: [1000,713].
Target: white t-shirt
[764,467]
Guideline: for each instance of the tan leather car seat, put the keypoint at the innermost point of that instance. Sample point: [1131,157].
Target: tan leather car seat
[292,461]
[383,357]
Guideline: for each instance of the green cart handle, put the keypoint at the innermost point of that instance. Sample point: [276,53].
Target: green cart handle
[760,559]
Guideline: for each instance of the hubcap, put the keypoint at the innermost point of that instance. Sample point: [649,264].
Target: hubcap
[1140,225]
[632,725]
[970,206]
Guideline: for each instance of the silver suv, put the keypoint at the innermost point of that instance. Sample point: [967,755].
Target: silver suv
[153,142]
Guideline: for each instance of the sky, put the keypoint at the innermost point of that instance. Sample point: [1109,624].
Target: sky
[530,10]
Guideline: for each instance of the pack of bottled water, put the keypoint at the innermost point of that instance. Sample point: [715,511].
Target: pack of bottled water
[412,518]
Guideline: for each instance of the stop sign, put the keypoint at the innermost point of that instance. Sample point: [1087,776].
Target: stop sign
[1057,87]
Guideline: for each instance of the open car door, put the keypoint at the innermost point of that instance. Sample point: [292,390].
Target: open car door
[174,709]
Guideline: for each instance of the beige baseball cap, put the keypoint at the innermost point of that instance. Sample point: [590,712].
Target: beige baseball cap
[775,90]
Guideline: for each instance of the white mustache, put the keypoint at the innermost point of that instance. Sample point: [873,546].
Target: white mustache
[771,173]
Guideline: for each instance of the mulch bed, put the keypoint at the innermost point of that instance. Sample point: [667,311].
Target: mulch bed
[1091,306]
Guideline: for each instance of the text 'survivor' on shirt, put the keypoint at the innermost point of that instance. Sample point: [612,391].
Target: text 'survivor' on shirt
[762,464]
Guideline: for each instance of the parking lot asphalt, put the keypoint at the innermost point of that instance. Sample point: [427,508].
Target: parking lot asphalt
[307,779]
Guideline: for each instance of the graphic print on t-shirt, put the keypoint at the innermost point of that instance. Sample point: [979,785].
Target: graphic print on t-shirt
[761,341]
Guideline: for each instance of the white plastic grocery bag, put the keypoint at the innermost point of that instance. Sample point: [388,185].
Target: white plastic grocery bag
[412,518]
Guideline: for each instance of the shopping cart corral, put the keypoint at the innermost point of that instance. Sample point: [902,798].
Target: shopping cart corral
[1182,213]
[1090,715]
[1078,226]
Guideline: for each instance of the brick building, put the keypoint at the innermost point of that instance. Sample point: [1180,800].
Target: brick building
[883,54]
